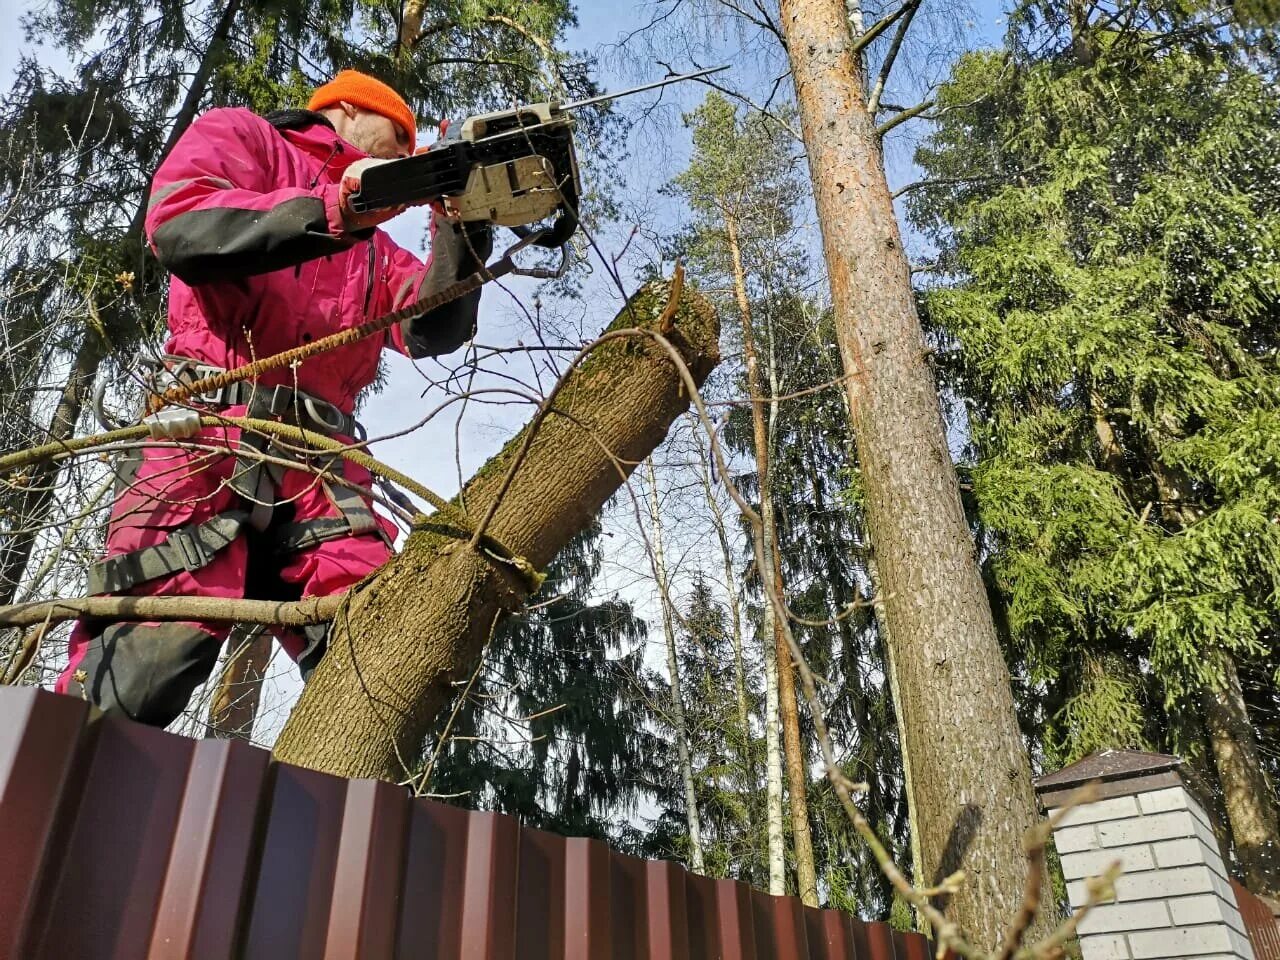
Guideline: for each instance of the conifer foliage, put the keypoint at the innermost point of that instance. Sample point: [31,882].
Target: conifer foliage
[1108,216]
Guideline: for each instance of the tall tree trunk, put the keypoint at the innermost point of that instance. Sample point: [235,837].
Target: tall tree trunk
[970,773]
[735,613]
[234,706]
[797,773]
[673,672]
[773,762]
[1248,795]
[419,623]
[38,499]
[771,635]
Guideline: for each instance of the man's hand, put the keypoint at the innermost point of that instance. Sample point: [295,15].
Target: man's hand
[353,221]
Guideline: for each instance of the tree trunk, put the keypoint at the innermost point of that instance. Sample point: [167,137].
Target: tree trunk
[735,611]
[1109,447]
[235,703]
[797,775]
[696,860]
[1249,797]
[969,770]
[419,623]
[773,761]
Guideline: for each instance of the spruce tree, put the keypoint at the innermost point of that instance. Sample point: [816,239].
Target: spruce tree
[556,728]
[1107,211]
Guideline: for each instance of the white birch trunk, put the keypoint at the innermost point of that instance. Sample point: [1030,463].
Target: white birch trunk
[696,861]
[773,761]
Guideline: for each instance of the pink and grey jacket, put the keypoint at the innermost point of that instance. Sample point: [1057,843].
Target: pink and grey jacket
[245,216]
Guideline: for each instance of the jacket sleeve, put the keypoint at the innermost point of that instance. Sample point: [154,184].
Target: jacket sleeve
[455,254]
[214,212]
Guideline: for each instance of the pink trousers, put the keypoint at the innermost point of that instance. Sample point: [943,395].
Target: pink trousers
[149,670]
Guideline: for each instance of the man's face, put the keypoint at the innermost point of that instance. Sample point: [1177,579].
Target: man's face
[378,136]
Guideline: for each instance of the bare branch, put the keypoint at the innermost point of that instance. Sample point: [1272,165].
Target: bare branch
[908,14]
[903,117]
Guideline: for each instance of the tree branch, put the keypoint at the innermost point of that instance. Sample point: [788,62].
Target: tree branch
[877,28]
[908,13]
[299,613]
[903,117]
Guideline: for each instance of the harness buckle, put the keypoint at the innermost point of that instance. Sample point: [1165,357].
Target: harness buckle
[317,409]
[279,400]
[190,549]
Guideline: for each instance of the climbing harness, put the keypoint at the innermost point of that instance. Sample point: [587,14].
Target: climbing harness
[181,380]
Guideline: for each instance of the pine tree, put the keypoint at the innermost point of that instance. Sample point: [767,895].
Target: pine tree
[741,186]
[1109,227]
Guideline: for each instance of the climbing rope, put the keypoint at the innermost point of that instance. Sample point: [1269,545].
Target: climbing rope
[295,355]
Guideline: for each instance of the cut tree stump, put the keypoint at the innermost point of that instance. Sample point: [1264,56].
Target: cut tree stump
[418,625]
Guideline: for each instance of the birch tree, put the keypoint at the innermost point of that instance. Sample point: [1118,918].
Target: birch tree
[679,728]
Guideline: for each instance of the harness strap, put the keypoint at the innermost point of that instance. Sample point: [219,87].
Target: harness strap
[355,512]
[292,537]
[194,546]
[187,548]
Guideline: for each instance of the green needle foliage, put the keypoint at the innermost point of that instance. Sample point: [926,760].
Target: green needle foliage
[1108,219]
[556,728]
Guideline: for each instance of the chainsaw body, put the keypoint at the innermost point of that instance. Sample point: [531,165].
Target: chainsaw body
[514,168]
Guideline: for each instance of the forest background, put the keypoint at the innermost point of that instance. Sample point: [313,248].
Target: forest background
[1107,355]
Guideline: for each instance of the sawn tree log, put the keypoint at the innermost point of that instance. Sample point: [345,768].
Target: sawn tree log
[419,623]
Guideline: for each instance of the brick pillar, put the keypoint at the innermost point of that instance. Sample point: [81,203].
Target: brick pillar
[1174,898]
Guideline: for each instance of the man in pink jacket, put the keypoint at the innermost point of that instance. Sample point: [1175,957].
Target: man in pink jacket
[251,217]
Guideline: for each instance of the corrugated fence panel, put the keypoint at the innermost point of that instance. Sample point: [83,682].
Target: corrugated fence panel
[1259,922]
[210,862]
[431,904]
[121,842]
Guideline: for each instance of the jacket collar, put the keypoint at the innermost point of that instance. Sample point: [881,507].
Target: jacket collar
[312,133]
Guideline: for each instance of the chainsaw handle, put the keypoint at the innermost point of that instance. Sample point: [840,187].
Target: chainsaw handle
[557,235]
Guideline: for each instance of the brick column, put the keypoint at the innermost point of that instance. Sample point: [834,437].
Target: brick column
[1174,898]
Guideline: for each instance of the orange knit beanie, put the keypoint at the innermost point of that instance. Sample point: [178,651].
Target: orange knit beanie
[361,90]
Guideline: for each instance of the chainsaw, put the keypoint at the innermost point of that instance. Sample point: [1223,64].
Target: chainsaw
[515,168]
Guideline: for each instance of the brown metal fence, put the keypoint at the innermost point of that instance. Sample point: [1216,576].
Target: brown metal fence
[121,842]
[1259,922]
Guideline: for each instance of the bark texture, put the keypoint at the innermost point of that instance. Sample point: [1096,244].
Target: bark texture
[419,623]
[777,854]
[970,773]
[1248,796]
[234,707]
